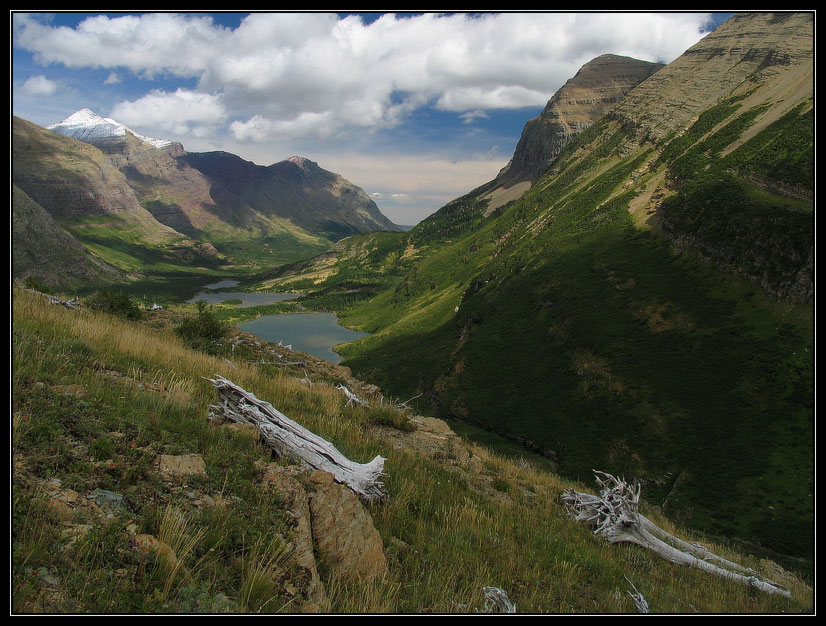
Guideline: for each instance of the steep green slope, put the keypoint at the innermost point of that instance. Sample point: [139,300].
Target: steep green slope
[646,307]
[45,252]
[101,405]
[575,331]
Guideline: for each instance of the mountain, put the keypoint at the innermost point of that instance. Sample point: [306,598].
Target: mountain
[581,101]
[644,308]
[148,208]
[297,189]
[87,126]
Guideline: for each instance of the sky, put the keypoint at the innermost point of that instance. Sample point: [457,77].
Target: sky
[416,109]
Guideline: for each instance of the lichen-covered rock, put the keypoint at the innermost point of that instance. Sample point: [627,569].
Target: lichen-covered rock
[284,481]
[181,465]
[344,534]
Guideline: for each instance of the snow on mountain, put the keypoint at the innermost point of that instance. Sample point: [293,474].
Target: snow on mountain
[87,126]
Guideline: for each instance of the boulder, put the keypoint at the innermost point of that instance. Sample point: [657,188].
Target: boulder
[345,537]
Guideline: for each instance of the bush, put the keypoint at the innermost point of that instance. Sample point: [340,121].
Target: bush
[32,282]
[204,330]
[116,303]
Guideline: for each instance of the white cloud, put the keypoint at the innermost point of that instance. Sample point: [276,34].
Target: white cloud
[39,86]
[180,112]
[112,79]
[147,44]
[287,75]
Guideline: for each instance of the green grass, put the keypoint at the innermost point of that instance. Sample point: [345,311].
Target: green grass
[560,325]
[97,397]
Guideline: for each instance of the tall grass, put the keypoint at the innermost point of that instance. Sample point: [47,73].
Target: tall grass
[448,529]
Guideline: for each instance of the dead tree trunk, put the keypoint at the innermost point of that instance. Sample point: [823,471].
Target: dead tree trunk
[351,397]
[615,515]
[290,439]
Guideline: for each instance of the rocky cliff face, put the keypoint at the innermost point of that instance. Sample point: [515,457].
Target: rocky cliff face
[772,50]
[297,189]
[75,181]
[581,101]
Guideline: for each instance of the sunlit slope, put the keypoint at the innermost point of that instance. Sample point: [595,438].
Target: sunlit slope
[646,307]
[97,399]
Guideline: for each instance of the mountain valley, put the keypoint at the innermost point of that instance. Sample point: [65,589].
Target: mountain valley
[645,305]
[633,293]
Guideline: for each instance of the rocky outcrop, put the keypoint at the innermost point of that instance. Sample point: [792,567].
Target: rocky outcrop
[746,51]
[297,189]
[345,537]
[331,529]
[595,89]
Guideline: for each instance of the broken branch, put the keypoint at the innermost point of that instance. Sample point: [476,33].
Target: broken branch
[615,515]
[288,438]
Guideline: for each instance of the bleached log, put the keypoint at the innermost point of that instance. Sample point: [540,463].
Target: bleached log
[497,601]
[639,600]
[288,438]
[72,303]
[615,515]
[351,397]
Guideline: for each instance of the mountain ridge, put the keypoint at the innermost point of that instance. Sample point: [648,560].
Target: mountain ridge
[644,307]
[88,167]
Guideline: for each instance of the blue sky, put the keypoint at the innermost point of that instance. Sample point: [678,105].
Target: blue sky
[416,109]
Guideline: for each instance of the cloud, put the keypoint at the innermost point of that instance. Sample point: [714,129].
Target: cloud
[288,75]
[471,116]
[180,112]
[147,44]
[112,79]
[39,86]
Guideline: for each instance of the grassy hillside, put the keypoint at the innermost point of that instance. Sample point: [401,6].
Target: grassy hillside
[97,398]
[644,309]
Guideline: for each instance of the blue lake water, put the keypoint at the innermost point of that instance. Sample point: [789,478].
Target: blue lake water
[314,333]
[247,299]
[222,284]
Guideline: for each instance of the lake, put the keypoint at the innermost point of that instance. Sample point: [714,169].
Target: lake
[314,333]
[247,299]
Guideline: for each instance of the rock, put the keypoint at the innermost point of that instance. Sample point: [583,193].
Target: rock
[345,537]
[284,482]
[434,439]
[151,544]
[179,466]
[77,391]
[73,532]
[107,498]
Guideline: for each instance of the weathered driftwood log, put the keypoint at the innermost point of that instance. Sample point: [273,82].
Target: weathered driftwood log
[351,397]
[615,515]
[290,439]
[639,600]
[72,303]
[497,601]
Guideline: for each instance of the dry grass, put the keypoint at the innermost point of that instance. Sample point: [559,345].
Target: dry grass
[447,534]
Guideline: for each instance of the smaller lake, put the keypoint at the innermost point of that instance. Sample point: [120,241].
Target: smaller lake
[222,284]
[247,299]
[314,333]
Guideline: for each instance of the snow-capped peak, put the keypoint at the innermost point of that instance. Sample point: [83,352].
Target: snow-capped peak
[87,126]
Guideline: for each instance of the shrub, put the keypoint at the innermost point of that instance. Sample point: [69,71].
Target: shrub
[204,330]
[116,303]
[32,282]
